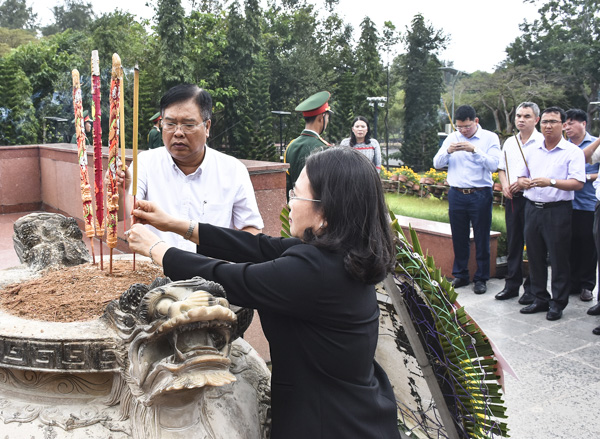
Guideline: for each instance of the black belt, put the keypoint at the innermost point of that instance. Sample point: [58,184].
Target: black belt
[549,205]
[517,194]
[468,190]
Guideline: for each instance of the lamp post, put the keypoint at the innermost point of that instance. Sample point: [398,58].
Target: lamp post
[376,102]
[281,114]
[455,76]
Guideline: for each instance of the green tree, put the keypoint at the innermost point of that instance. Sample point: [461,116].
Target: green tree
[18,125]
[339,67]
[73,14]
[496,95]
[14,14]
[12,38]
[174,65]
[565,38]
[369,70]
[423,87]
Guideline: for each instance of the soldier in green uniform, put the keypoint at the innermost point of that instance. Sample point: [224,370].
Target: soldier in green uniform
[154,135]
[316,112]
[87,123]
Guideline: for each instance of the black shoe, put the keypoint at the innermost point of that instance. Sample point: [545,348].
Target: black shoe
[586,295]
[554,313]
[507,294]
[458,282]
[596,330]
[527,299]
[536,306]
[594,310]
[479,287]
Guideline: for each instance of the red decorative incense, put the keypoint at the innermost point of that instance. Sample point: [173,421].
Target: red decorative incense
[98,177]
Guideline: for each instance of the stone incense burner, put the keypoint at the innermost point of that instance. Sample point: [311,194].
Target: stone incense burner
[164,361]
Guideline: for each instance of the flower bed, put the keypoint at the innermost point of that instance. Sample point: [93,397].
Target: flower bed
[432,183]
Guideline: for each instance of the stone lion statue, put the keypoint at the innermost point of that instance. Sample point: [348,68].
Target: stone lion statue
[185,372]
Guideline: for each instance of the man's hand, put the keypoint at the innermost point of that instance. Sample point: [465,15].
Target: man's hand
[461,146]
[147,212]
[525,183]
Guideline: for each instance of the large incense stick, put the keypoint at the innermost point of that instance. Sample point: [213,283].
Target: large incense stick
[112,190]
[522,153]
[86,194]
[136,90]
[98,177]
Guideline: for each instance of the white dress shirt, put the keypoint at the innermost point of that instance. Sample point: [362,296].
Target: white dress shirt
[562,162]
[219,192]
[467,169]
[512,159]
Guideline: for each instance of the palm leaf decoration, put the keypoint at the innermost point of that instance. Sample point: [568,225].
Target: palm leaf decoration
[456,349]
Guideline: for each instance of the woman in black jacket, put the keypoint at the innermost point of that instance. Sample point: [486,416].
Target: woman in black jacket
[314,292]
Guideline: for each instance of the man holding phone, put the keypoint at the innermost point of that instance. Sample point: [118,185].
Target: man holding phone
[471,155]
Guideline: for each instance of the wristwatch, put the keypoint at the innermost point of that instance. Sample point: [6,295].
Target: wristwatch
[552,182]
[475,150]
[588,177]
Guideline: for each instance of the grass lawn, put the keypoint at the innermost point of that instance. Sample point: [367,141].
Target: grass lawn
[435,209]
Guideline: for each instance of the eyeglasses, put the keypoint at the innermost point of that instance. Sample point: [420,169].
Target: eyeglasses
[293,196]
[186,128]
[550,122]
[465,128]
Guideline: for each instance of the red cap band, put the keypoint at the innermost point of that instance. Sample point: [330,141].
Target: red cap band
[322,109]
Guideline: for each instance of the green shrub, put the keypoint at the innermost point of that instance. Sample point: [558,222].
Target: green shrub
[435,209]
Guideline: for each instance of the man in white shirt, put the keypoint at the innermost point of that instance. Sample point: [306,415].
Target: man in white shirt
[526,118]
[187,178]
[554,170]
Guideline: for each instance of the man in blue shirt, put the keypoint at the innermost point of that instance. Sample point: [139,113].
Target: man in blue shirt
[583,251]
[471,155]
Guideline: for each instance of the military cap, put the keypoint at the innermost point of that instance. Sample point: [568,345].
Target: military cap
[86,117]
[314,105]
[155,117]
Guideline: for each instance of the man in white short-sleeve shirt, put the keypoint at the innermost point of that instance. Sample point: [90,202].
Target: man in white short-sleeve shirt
[188,179]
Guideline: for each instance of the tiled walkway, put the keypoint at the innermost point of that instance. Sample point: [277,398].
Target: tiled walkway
[557,394]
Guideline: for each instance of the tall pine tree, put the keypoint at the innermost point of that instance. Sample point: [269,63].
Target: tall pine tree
[423,87]
[171,30]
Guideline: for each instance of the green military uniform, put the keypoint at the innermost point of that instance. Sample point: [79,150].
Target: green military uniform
[155,136]
[301,147]
[86,119]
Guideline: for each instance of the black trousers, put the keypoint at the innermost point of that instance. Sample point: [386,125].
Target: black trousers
[548,231]
[584,259]
[514,216]
[597,235]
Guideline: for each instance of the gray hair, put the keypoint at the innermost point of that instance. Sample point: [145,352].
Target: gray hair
[534,107]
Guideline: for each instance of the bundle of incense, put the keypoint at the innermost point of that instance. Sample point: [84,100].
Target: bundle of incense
[112,190]
[86,194]
[98,180]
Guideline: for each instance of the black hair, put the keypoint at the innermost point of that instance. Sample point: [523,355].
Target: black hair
[367,136]
[577,114]
[186,92]
[465,112]
[353,205]
[563,115]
